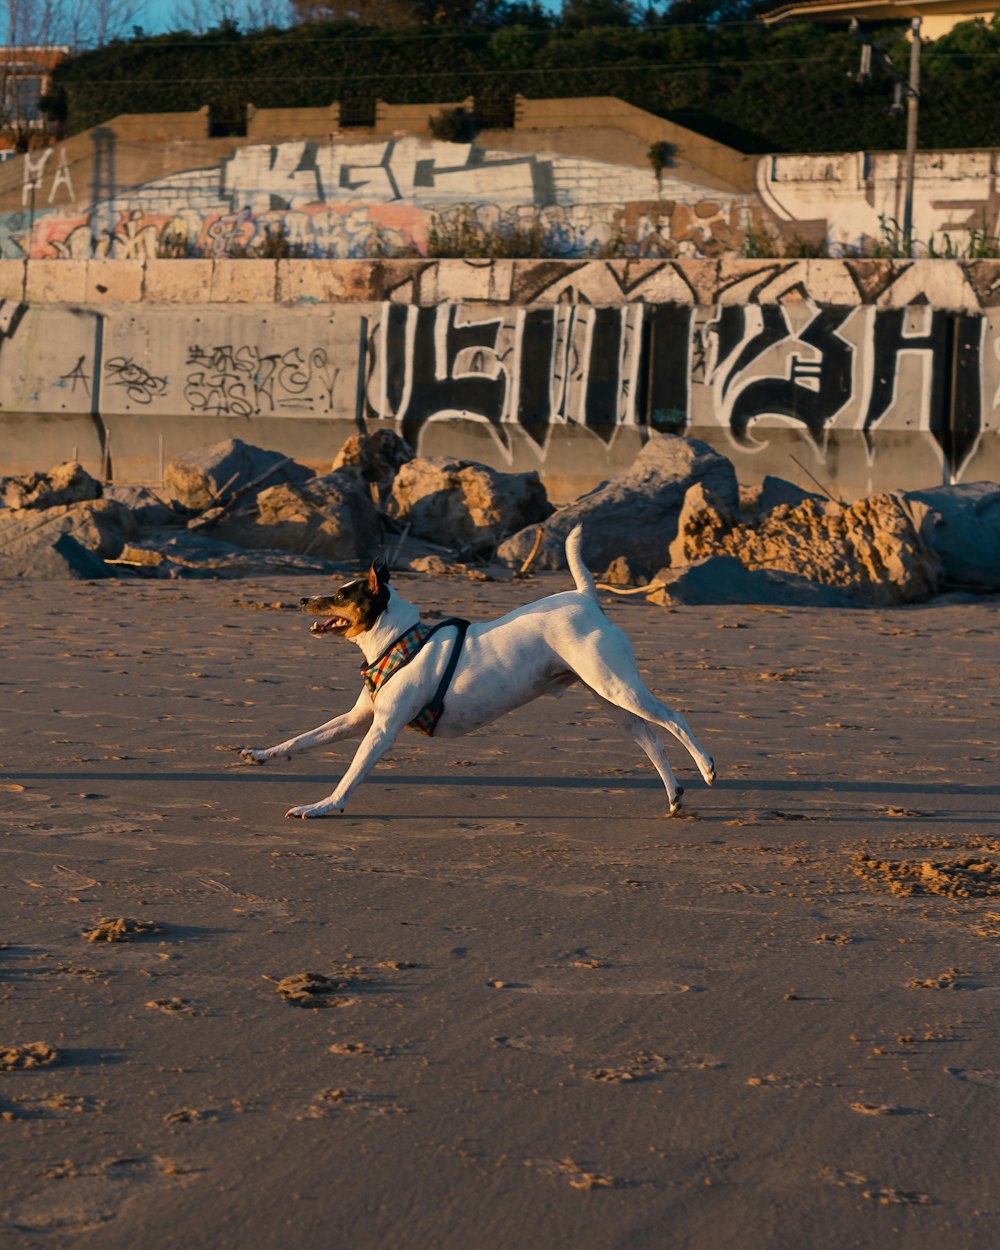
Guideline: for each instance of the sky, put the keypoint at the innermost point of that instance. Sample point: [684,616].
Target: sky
[159,16]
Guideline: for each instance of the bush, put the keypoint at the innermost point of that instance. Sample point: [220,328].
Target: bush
[455,125]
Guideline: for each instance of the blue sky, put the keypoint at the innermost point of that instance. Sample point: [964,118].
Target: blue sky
[158,16]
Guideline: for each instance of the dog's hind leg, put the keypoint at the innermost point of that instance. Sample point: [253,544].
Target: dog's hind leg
[604,661]
[351,724]
[650,742]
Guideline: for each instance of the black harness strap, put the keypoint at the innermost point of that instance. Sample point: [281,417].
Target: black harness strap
[436,705]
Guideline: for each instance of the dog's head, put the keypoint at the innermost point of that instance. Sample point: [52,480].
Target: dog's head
[354,608]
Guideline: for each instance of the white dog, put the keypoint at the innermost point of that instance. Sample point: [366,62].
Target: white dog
[484,670]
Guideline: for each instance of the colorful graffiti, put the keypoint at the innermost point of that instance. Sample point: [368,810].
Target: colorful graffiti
[363,200]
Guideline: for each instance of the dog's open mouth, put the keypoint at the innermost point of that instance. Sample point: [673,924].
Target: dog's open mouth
[330,625]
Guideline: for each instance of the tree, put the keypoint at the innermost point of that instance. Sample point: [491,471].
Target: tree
[367,12]
[583,14]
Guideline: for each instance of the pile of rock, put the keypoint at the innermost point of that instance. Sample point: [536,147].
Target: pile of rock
[675,523]
[233,509]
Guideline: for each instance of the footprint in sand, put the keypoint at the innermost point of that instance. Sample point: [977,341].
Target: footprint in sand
[175,1006]
[987,1077]
[28,1055]
[79,1198]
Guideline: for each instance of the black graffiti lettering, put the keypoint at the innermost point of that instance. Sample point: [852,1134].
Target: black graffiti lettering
[604,382]
[245,382]
[438,376]
[77,376]
[139,384]
[952,354]
[534,383]
[811,390]
[889,340]
[602,367]
[965,409]
[670,357]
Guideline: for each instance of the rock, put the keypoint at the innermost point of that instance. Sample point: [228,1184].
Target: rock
[723,579]
[65,484]
[702,523]
[636,513]
[870,549]
[465,505]
[376,459]
[145,505]
[214,474]
[200,556]
[28,535]
[624,572]
[961,525]
[331,517]
[775,491]
[79,561]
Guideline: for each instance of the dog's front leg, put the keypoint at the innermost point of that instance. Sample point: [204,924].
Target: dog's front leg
[350,725]
[374,745]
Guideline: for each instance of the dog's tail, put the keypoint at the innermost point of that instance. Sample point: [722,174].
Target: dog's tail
[581,574]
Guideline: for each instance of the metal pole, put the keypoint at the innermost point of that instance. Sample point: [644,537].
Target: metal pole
[912,117]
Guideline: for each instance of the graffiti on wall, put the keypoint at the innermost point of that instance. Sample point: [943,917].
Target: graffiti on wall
[746,368]
[358,200]
[857,198]
[534,368]
[245,382]
[875,380]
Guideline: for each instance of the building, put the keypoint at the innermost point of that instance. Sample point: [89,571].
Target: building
[25,72]
[937,16]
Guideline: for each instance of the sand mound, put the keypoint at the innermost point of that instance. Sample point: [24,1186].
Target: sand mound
[870,548]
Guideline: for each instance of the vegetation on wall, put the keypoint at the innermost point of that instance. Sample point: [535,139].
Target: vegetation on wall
[787,88]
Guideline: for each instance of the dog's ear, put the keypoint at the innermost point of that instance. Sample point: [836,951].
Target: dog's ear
[378,575]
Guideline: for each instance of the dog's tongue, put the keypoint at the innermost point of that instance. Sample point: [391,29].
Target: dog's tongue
[324,627]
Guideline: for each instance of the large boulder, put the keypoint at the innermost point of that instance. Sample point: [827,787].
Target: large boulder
[212,475]
[145,504]
[961,525]
[28,537]
[65,484]
[702,523]
[465,505]
[375,459]
[723,579]
[331,517]
[636,513]
[870,549]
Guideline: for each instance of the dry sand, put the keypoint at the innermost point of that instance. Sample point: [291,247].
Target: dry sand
[538,1014]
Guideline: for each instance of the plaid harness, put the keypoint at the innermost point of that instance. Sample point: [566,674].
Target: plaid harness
[401,652]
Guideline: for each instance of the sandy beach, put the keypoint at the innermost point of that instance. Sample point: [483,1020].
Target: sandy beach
[540,1014]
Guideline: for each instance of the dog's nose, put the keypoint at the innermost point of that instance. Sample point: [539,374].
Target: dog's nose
[303,602]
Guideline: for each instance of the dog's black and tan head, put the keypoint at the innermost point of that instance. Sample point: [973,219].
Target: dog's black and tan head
[354,608]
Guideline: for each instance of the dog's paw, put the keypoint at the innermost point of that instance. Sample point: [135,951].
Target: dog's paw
[709,772]
[255,755]
[313,810]
[675,802]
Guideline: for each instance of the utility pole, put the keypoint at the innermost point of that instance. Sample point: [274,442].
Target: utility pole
[912,117]
[911,89]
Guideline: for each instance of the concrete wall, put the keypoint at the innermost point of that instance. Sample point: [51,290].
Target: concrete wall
[869,375]
[855,199]
[147,185]
[144,185]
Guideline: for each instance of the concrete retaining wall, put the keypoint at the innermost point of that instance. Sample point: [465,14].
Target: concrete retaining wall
[866,375]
